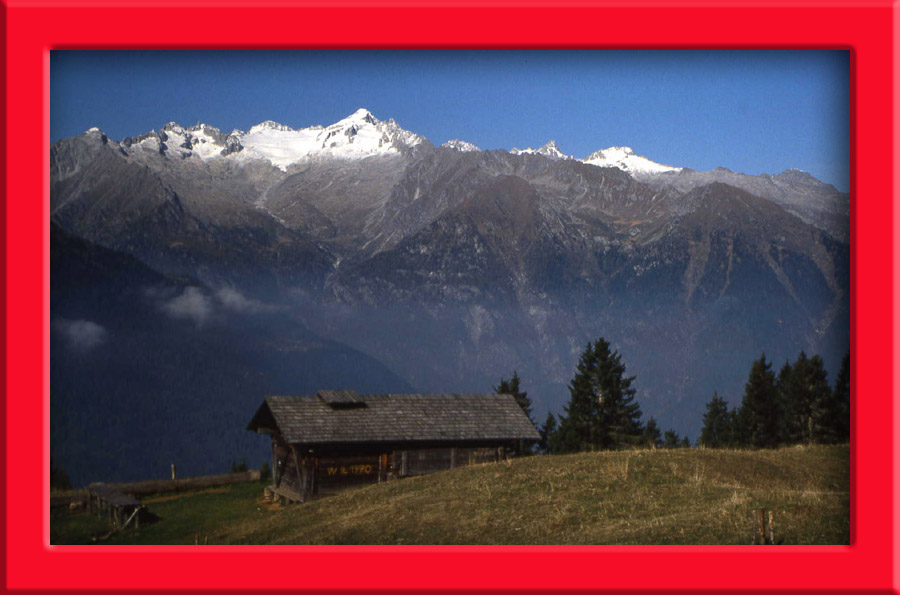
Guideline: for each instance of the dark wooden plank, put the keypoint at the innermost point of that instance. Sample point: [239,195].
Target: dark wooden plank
[287,493]
[113,496]
[301,475]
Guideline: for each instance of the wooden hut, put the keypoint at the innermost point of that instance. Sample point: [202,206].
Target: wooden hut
[338,438]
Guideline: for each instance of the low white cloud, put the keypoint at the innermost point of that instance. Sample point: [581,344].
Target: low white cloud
[192,304]
[80,335]
[235,301]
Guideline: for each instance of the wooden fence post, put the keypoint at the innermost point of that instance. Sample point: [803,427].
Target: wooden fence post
[274,464]
[762,535]
[762,526]
[755,533]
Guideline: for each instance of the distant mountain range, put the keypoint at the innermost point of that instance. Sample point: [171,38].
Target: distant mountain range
[442,267]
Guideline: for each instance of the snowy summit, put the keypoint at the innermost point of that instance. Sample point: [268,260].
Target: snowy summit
[460,145]
[550,150]
[358,136]
[625,159]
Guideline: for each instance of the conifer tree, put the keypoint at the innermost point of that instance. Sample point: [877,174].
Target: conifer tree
[685,442]
[716,431]
[825,409]
[602,412]
[511,387]
[842,399]
[671,439]
[652,434]
[794,404]
[798,391]
[59,479]
[547,430]
[567,437]
[761,411]
[738,425]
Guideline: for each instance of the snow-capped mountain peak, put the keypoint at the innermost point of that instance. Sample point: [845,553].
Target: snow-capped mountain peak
[270,125]
[362,115]
[460,145]
[625,159]
[551,149]
[200,140]
[357,136]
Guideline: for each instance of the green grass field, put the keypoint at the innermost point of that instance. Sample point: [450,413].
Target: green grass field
[683,496]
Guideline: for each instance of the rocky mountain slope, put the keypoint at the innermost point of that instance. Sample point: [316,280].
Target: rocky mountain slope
[453,266]
[148,369]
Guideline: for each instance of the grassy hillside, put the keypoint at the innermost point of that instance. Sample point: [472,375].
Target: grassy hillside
[684,496]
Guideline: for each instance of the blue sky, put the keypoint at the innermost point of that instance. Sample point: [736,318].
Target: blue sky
[751,111]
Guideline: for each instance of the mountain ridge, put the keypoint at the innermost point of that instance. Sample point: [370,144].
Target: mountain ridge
[453,266]
[311,142]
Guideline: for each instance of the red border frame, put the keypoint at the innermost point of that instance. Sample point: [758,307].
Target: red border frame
[867,28]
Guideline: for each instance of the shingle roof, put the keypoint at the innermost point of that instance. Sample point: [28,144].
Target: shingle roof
[340,397]
[396,418]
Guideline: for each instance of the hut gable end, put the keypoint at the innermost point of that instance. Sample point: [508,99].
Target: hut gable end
[263,421]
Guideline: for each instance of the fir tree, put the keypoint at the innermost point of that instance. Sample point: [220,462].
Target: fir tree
[716,431]
[566,438]
[761,410]
[794,404]
[671,439]
[511,387]
[825,409]
[685,442]
[59,479]
[842,400]
[602,412]
[798,391]
[652,435]
[739,426]
[547,430]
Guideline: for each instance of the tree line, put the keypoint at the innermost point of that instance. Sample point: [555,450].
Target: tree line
[602,412]
[796,406]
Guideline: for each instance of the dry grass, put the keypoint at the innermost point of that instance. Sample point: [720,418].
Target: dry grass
[632,497]
[683,496]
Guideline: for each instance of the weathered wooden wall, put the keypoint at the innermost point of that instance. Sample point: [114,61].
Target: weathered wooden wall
[429,460]
[301,477]
[335,473]
[296,474]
